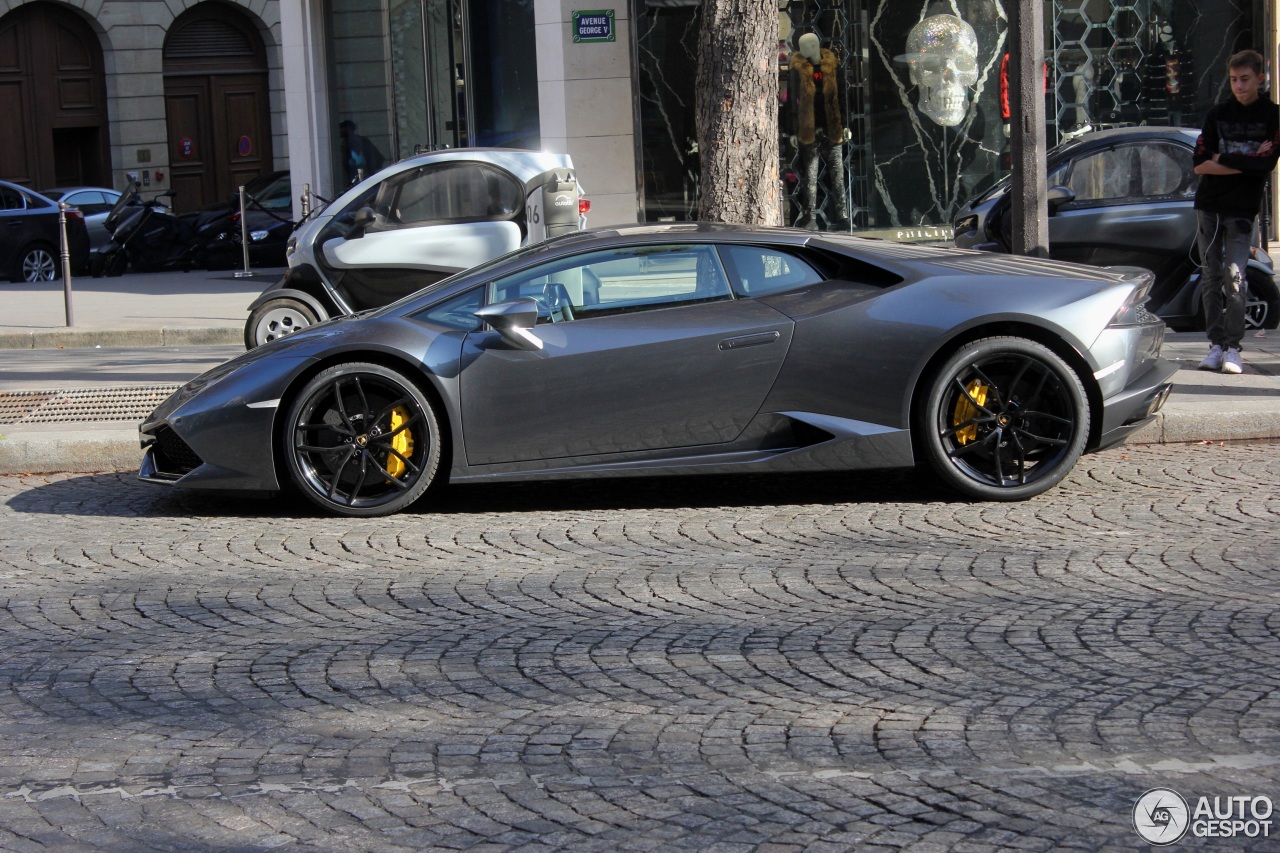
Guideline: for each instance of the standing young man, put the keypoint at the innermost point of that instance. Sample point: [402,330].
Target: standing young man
[1238,147]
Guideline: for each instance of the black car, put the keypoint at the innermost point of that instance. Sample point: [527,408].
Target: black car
[269,221]
[29,240]
[1125,196]
[684,349]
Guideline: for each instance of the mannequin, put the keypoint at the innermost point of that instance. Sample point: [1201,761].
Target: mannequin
[814,90]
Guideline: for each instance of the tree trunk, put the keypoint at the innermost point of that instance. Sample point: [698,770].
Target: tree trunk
[737,111]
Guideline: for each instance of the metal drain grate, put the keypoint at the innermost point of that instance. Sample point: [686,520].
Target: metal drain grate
[86,404]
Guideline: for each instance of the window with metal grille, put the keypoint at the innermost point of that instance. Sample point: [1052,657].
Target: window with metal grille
[207,38]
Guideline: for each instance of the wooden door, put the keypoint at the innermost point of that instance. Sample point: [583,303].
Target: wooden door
[53,98]
[216,105]
[242,126]
[191,149]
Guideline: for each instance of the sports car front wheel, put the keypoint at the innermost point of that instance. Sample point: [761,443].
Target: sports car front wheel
[1005,419]
[362,440]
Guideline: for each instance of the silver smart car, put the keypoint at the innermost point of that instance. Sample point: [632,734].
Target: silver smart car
[412,224]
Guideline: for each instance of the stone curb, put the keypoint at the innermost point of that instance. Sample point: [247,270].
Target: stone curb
[121,338]
[68,453]
[117,449]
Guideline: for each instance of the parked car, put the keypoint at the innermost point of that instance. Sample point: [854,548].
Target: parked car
[29,239]
[269,221]
[684,349]
[1125,196]
[412,224]
[95,203]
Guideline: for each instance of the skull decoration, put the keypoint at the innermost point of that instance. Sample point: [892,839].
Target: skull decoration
[942,56]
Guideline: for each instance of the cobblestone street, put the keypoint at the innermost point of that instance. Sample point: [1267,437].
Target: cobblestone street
[782,663]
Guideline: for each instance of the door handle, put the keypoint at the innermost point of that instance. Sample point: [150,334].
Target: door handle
[753,340]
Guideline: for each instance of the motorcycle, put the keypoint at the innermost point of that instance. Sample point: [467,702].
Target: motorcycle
[147,236]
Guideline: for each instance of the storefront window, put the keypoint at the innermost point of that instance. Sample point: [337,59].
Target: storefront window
[359,88]
[895,114]
[399,78]
[504,74]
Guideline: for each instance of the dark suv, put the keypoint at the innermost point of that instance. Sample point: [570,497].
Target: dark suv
[29,244]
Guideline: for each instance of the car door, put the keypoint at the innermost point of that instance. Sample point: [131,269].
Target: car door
[429,223]
[643,348]
[1133,206]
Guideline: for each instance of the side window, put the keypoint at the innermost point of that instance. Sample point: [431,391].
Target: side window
[1167,171]
[635,278]
[341,222]
[11,199]
[457,312]
[755,271]
[454,192]
[1108,175]
[33,203]
[89,202]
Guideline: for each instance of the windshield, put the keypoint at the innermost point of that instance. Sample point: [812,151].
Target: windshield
[477,269]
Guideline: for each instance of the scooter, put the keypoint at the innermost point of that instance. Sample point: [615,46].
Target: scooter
[147,236]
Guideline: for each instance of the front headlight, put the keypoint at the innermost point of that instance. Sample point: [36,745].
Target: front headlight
[258,236]
[967,223]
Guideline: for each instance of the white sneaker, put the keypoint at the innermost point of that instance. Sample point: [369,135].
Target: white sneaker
[1231,362]
[1213,361]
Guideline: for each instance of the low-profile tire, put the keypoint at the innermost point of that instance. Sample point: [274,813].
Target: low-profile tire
[361,440]
[277,318]
[1261,301]
[34,263]
[1004,419]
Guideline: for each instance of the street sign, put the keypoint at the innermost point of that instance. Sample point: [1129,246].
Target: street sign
[593,25]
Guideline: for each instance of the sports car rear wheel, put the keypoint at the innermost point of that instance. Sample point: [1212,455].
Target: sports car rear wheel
[362,439]
[1005,419]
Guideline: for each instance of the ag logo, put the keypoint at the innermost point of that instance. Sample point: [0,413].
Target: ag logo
[1161,816]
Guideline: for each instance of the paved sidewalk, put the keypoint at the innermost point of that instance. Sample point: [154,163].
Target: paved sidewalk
[209,308]
[140,309]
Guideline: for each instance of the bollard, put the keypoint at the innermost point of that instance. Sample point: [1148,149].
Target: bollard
[66,261]
[244,238]
[306,202]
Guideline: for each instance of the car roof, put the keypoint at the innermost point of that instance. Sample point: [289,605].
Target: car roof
[1113,135]
[524,164]
[653,232]
[61,191]
[36,193]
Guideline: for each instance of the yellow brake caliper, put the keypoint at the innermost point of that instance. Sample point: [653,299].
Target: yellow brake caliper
[966,411]
[401,442]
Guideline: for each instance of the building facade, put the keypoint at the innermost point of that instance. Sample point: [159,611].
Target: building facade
[187,94]
[896,118]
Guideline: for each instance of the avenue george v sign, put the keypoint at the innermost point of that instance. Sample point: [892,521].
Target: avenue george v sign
[593,25]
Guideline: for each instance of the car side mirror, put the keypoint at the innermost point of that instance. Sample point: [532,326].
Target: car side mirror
[360,222]
[1058,196]
[513,320]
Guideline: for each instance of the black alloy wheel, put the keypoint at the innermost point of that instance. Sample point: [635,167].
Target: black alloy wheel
[362,440]
[1005,419]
